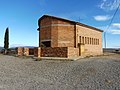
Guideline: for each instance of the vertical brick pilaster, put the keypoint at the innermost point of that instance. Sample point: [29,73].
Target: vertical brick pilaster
[20,51]
[26,51]
[37,52]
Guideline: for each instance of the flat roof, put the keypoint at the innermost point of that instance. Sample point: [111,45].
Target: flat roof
[74,22]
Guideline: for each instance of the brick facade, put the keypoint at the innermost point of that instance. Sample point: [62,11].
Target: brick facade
[78,38]
[92,40]
[23,51]
[65,38]
[60,37]
[50,52]
[56,52]
[55,31]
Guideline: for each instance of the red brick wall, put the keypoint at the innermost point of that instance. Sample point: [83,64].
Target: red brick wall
[66,36]
[61,33]
[45,33]
[45,21]
[54,52]
[45,30]
[56,21]
[50,52]
[54,36]
[22,51]
[90,49]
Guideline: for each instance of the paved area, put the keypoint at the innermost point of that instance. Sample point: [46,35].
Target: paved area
[95,73]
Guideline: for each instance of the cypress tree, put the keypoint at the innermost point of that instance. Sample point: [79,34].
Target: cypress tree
[6,39]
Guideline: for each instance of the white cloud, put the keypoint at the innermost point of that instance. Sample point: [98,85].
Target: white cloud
[102,18]
[115,31]
[109,4]
[116,25]
[114,28]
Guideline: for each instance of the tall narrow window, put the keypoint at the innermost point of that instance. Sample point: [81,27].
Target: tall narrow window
[80,39]
[98,41]
[83,40]
[86,40]
[90,40]
[94,41]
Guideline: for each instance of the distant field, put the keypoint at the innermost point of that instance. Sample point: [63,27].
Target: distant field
[111,50]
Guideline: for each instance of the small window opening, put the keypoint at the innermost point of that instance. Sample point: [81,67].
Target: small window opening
[46,44]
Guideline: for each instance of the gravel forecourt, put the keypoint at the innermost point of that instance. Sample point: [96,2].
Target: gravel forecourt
[95,73]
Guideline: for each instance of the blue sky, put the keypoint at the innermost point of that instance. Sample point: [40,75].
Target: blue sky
[21,16]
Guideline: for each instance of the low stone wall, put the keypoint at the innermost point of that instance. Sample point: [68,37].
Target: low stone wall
[50,52]
[54,52]
[21,51]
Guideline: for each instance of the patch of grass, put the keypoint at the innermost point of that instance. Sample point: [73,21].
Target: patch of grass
[89,56]
[116,60]
[24,57]
[108,81]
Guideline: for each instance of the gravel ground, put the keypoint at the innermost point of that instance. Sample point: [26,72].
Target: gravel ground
[95,73]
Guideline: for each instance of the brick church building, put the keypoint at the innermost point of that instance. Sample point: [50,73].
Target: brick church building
[60,37]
